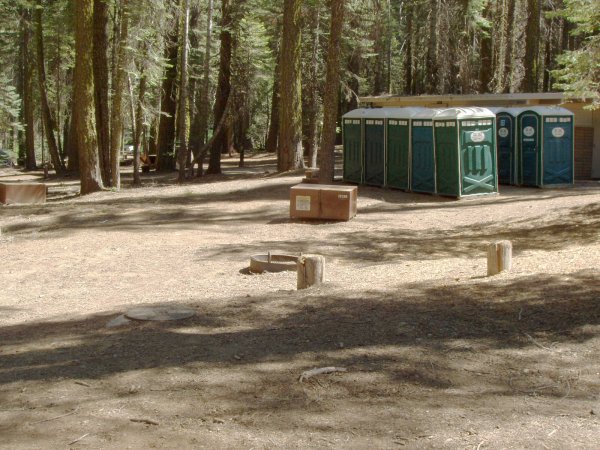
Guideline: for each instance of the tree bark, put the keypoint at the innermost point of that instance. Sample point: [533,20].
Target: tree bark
[166,128]
[221,142]
[48,119]
[118,85]
[100,60]
[431,66]
[330,102]
[310,110]
[290,108]
[272,134]
[72,146]
[532,38]
[139,124]
[486,68]
[408,55]
[28,86]
[182,152]
[83,88]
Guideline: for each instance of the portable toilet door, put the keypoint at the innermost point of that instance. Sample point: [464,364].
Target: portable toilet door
[465,143]
[546,146]
[398,153]
[352,137]
[374,154]
[506,144]
[422,153]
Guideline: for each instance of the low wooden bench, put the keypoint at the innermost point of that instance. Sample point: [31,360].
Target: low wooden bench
[22,193]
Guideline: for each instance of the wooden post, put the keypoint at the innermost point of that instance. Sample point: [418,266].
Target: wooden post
[499,257]
[310,271]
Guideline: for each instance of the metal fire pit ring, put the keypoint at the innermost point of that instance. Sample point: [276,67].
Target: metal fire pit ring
[273,262]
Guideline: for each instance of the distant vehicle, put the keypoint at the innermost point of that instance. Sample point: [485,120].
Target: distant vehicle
[7,158]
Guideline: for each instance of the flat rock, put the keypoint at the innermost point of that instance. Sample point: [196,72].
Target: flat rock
[160,313]
[118,322]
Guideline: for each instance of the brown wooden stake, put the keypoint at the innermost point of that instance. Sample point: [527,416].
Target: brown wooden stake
[310,271]
[499,257]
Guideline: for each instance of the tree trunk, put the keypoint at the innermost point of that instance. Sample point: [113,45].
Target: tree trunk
[408,55]
[431,66]
[330,102]
[221,142]
[72,146]
[83,89]
[182,152]
[28,86]
[139,124]
[290,116]
[100,60]
[271,141]
[532,38]
[48,119]
[118,86]
[486,68]
[166,129]
[199,127]
[310,111]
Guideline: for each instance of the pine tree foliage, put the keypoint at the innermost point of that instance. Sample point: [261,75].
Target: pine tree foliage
[579,74]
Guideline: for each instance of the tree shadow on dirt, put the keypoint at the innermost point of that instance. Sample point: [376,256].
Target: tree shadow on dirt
[578,226]
[436,323]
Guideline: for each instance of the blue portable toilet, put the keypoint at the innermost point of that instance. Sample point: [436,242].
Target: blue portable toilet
[545,138]
[398,146]
[506,144]
[422,152]
[353,145]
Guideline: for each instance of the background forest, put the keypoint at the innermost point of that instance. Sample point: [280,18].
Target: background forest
[190,80]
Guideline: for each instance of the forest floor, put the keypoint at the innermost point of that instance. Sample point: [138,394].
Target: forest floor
[437,354]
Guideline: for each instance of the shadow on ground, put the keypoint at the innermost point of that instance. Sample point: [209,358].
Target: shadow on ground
[440,322]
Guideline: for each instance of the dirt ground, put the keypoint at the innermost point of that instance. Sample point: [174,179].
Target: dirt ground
[437,354]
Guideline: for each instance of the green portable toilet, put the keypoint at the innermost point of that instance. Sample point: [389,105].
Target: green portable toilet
[353,141]
[374,147]
[465,152]
[545,137]
[506,144]
[398,148]
[422,154]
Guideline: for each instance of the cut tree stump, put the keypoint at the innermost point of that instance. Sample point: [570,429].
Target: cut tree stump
[499,257]
[310,271]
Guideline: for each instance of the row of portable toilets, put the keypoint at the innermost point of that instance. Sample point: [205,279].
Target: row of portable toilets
[458,151]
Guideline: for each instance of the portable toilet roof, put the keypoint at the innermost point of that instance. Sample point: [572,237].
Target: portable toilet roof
[356,113]
[403,113]
[548,110]
[513,111]
[464,113]
[374,113]
[425,113]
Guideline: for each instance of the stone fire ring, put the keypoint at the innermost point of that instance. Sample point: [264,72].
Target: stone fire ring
[160,313]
